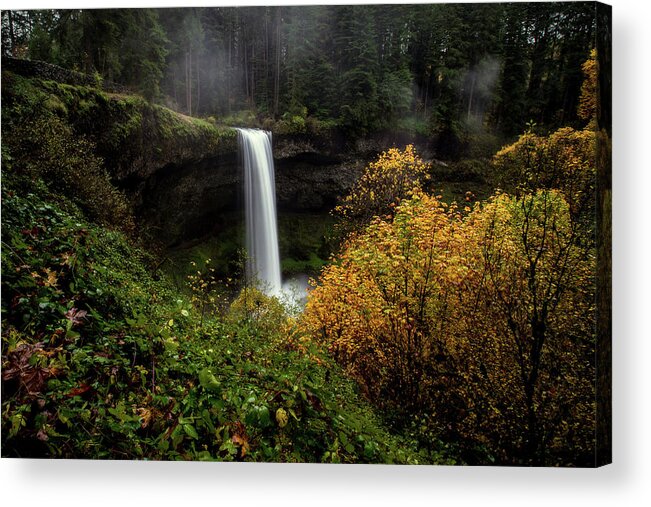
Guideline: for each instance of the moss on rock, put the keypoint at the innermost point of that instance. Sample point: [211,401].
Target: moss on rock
[135,138]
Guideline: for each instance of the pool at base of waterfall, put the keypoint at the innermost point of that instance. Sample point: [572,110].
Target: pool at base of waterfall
[294,291]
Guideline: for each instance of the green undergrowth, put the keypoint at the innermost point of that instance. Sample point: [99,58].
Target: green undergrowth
[224,250]
[305,243]
[103,359]
[290,123]
[464,182]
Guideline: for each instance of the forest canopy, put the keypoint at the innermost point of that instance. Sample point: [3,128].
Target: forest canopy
[443,69]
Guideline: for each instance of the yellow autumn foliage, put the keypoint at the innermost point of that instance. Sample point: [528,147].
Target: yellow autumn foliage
[564,160]
[393,176]
[480,324]
[588,100]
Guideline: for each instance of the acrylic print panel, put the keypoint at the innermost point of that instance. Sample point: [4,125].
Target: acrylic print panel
[403,257]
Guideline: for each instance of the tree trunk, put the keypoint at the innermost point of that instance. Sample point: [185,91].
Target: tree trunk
[429,78]
[188,81]
[277,71]
[532,427]
[252,61]
[12,34]
[174,81]
[472,93]
[246,74]
[198,87]
[230,72]
[534,451]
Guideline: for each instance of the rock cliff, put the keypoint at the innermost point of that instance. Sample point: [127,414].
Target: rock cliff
[180,173]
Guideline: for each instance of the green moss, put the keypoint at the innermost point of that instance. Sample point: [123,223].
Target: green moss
[305,241]
[125,127]
[311,266]
[19,96]
[56,105]
[129,124]
[66,93]
[173,125]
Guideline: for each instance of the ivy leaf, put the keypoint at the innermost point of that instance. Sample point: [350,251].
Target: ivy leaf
[190,431]
[264,418]
[208,381]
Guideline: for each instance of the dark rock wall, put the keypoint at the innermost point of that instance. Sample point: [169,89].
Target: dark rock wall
[181,203]
[302,186]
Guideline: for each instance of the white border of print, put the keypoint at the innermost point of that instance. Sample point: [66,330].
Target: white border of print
[111,483]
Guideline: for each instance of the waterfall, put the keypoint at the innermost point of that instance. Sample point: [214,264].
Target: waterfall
[263,259]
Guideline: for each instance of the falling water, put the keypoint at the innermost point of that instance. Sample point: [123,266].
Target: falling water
[260,204]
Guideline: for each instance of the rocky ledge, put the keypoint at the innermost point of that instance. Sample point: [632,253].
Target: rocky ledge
[181,173]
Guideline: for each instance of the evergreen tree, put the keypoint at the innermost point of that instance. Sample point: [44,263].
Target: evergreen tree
[515,71]
[310,61]
[143,47]
[465,69]
[356,55]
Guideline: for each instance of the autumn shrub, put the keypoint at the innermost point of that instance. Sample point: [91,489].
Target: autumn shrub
[535,307]
[564,160]
[588,100]
[381,186]
[476,323]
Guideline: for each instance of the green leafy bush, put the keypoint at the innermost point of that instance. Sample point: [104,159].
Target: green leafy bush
[47,148]
[101,360]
